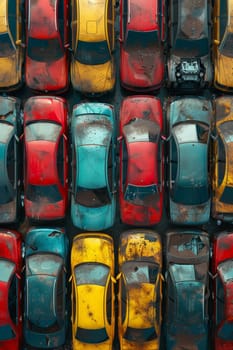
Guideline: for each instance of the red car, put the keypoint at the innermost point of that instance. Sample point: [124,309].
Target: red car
[222,262]
[46,45]
[141,160]
[10,290]
[142,26]
[45,158]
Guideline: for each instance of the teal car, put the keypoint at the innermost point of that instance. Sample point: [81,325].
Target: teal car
[189,122]
[45,315]
[93,198]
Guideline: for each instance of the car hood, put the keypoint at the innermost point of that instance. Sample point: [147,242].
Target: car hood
[93,79]
[141,69]
[95,219]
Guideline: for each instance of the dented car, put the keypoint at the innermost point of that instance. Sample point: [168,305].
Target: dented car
[93,198]
[187,290]
[45,158]
[222,184]
[189,62]
[141,161]
[223,45]
[92,295]
[140,290]
[142,33]
[189,129]
[11,50]
[45,306]
[46,63]
[10,160]
[11,263]
[222,271]
[93,39]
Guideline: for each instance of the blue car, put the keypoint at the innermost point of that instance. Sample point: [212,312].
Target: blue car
[93,199]
[187,290]
[189,120]
[45,318]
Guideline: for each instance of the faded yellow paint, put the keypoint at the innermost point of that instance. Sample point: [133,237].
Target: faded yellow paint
[224,106]
[223,65]
[3,16]
[89,301]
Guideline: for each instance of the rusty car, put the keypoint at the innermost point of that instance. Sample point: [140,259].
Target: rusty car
[222,271]
[11,263]
[140,290]
[45,300]
[141,170]
[187,290]
[10,160]
[189,135]
[93,195]
[223,44]
[142,33]
[47,58]
[92,294]
[11,50]
[222,178]
[45,158]
[189,64]
[93,40]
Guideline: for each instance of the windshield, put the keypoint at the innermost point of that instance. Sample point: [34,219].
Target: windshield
[93,53]
[6,268]
[36,193]
[142,195]
[226,331]
[227,195]
[142,40]
[6,47]
[45,50]
[92,198]
[190,195]
[91,273]
[191,48]
[46,131]
[6,332]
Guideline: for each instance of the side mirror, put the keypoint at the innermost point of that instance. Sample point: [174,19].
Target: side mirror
[216,42]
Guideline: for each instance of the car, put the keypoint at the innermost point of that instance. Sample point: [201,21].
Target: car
[222,45]
[189,66]
[11,48]
[93,197]
[45,305]
[140,289]
[10,160]
[92,295]
[187,290]
[222,187]
[142,33]
[141,160]
[11,264]
[47,58]
[45,158]
[222,267]
[93,40]
[189,135]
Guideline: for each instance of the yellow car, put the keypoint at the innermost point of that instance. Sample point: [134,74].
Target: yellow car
[92,267]
[92,64]
[140,290]
[223,44]
[11,51]
[222,202]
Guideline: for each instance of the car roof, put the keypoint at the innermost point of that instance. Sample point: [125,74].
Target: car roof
[42,22]
[143,15]
[92,20]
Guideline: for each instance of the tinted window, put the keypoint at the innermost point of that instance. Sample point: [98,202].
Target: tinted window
[223,17]
[227,195]
[91,273]
[109,303]
[44,50]
[60,305]
[6,268]
[11,162]
[123,299]
[13,299]
[91,336]
[140,335]
[61,160]
[61,19]
[93,53]
[141,40]
[92,198]
[12,17]
[226,46]
[6,47]
[221,157]
[6,332]
[144,195]
[190,195]
[42,131]
[35,193]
